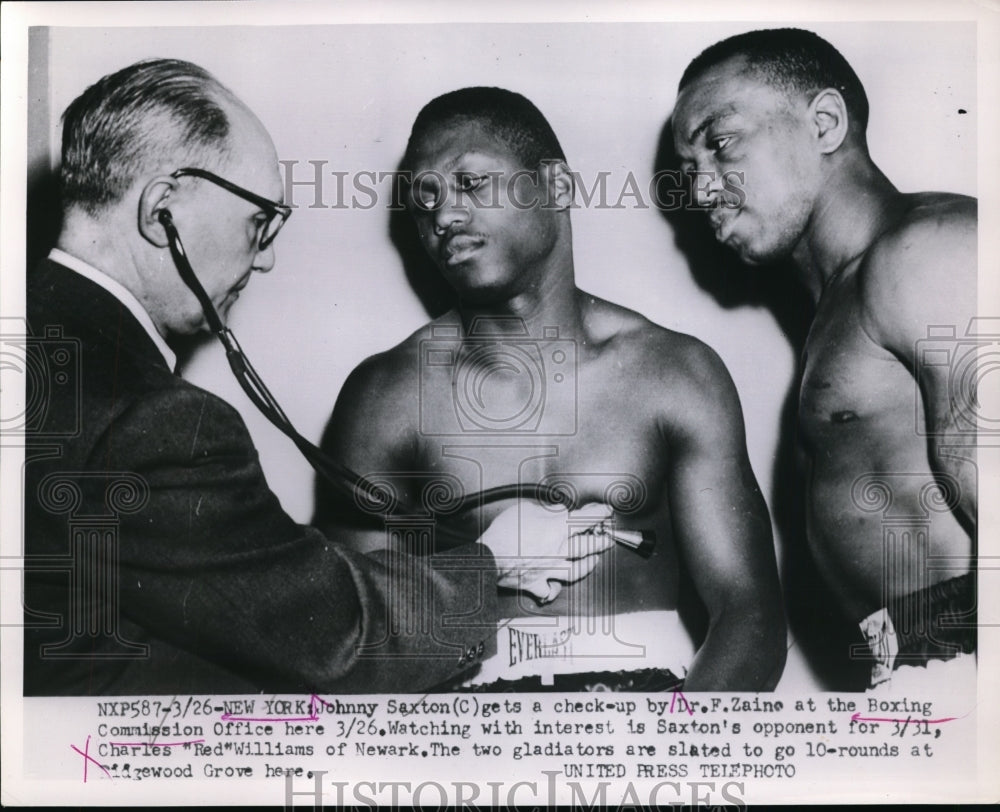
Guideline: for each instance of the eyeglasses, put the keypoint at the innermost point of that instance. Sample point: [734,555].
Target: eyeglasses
[276,213]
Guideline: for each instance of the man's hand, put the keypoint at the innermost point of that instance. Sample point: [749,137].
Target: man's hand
[539,548]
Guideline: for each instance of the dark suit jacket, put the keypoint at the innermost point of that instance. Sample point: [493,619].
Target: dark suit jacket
[159,561]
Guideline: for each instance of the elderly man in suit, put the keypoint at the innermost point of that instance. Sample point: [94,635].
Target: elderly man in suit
[183,573]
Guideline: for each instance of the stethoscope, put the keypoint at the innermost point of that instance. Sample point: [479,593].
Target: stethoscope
[346,482]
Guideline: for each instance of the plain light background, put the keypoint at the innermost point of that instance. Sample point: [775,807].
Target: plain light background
[348,94]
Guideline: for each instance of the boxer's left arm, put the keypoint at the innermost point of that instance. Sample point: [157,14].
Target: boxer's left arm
[723,529]
[372,432]
[918,293]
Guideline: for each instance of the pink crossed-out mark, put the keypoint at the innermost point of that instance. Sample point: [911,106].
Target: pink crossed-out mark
[686,705]
[155,744]
[857,717]
[314,702]
[85,752]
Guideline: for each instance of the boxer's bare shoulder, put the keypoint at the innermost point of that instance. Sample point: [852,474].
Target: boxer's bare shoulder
[681,376]
[375,419]
[921,271]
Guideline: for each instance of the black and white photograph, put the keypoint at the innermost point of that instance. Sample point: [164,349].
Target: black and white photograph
[434,404]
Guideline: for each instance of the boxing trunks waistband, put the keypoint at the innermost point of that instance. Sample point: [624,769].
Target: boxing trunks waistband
[632,651]
[934,623]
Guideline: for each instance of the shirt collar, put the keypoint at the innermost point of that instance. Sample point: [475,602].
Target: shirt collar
[122,294]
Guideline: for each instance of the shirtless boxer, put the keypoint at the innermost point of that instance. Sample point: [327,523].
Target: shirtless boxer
[530,379]
[887,428]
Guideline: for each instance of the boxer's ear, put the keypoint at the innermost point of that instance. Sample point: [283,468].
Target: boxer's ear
[829,116]
[154,199]
[557,179]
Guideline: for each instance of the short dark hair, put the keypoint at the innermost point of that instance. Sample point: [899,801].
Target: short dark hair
[129,119]
[508,116]
[791,60]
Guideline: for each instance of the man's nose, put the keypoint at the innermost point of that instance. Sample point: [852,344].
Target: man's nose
[453,209]
[706,187]
[264,259]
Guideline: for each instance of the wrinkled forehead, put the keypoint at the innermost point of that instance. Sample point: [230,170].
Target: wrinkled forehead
[446,144]
[724,90]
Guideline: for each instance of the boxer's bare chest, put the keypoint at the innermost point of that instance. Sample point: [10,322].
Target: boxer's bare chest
[591,435]
[586,430]
[854,393]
